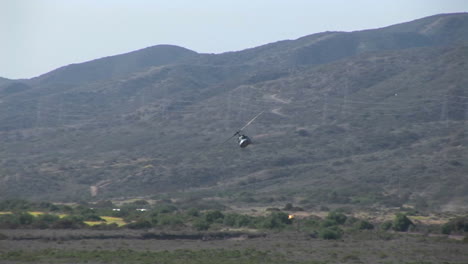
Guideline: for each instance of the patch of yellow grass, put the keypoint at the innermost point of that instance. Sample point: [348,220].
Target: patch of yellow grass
[419,217]
[36,213]
[111,219]
[108,220]
[93,223]
[33,213]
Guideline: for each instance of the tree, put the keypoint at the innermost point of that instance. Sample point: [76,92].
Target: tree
[69,222]
[386,225]
[201,224]
[459,224]
[333,232]
[214,216]
[140,224]
[25,219]
[276,220]
[401,222]
[363,224]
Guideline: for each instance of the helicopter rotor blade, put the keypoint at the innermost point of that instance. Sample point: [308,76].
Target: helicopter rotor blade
[239,131]
[250,122]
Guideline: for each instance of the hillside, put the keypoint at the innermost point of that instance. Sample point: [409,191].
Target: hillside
[375,117]
[115,66]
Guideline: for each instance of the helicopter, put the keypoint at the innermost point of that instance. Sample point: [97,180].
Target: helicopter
[242,139]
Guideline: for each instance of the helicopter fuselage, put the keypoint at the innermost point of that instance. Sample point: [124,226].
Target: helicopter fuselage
[244,141]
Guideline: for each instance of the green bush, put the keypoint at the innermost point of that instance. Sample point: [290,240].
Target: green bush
[140,224]
[193,212]
[230,220]
[92,217]
[276,220]
[16,220]
[459,224]
[387,225]
[201,224]
[170,220]
[312,222]
[338,217]
[166,208]
[333,232]
[45,221]
[25,219]
[14,204]
[328,223]
[363,225]
[140,203]
[401,223]
[446,229]
[69,222]
[214,216]
[237,220]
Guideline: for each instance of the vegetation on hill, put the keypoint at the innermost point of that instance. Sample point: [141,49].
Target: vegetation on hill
[176,232]
[362,119]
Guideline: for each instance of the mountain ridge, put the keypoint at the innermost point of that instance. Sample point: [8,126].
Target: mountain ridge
[116,65]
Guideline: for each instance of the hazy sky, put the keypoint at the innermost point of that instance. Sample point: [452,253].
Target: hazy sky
[38,36]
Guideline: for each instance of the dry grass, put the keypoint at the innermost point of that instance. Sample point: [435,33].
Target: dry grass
[108,220]
[298,247]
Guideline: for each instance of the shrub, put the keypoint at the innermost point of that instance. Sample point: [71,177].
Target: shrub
[291,207]
[201,224]
[140,203]
[328,223]
[330,233]
[193,212]
[45,221]
[312,222]
[214,216]
[69,223]
[230,219]
[140,224]
[237,220]
[276,220]
[14,204]
[170,220]
[339,218]
[459,224]
[288,207]
[401,223]
[386,225]
[363,224]
[9,221]
[25,219]
[446,229]
[166,208]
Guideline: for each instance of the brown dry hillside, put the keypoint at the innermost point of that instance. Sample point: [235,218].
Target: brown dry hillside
[363,118]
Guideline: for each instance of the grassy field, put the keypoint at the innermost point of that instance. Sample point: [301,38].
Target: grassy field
[108,220]
[168,232]
[130,246]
